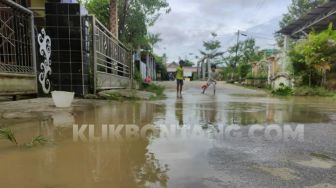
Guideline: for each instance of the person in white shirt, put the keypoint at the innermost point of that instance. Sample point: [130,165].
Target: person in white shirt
[212,79]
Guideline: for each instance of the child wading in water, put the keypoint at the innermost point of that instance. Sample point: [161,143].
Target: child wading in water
[179,79]
[211,80]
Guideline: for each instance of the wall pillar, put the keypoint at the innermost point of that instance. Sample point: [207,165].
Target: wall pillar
[286,43]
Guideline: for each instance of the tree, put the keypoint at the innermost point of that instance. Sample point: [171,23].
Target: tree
[135,16]
[211,47]
[316,53]
[210,52]
[239,61]
[247,52]
[187,63]
[296,10]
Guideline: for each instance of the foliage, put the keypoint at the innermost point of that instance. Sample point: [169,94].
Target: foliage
[228,73]
[158,90]
[138,76]
[283,91]
[8,135]
[313,91]
[37,140]
[161,66]
[260,76]
[317,53]
[187,63]
[244,69]
[211,48]
[135,16]
[297,9]
[240,56]
[247,52]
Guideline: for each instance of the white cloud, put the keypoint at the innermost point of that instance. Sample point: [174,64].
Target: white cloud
[191,22]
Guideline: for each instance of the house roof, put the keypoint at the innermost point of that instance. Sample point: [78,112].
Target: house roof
[317,19]
[172,65]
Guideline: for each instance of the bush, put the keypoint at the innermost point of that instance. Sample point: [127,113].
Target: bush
[283,91]
[137,76]
[158,90]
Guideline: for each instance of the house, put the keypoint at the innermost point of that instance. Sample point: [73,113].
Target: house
[189,72]
[145,64]
[70,50]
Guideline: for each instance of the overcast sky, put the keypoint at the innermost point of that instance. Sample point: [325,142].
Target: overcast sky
[191,21]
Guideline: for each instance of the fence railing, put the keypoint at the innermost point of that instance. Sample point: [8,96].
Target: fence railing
[16,39]
[112,57]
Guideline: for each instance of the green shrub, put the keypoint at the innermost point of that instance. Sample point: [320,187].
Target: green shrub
[138,76]
[283,91]
[158,90]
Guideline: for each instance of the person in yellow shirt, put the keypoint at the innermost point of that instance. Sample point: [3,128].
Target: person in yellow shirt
[179,79]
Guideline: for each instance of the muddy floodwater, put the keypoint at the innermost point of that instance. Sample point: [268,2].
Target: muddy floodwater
[198,141]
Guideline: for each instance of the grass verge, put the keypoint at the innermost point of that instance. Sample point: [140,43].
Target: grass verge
[154,88]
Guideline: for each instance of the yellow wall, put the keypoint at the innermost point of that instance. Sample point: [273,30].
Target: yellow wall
[37,6]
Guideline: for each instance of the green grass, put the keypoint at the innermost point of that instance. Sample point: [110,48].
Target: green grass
[115,96]
[158,90]
[38,140]
[8,135]
[313,91]
[321,156]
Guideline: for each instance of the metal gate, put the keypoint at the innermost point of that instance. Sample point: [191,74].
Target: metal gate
[112,60]
[17,50]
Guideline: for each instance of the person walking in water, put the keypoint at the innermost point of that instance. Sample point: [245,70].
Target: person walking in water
[211,80]
[179,79]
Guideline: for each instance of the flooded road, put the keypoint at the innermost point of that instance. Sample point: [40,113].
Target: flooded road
[198,141]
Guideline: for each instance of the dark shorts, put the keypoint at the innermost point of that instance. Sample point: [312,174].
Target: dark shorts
[179,82]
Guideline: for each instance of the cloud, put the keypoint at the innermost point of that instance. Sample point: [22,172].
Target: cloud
[192,21]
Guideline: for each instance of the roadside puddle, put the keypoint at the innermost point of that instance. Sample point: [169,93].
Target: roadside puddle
[322,185]
[282,173]
[318,161]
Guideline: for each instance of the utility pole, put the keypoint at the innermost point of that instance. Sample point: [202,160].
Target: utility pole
[236,60]
[238,34]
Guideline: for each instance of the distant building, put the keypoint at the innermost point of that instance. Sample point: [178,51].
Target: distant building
[189,72]
[55,45]
[146,65]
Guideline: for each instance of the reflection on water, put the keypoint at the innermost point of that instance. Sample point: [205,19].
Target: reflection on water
[179,112]
[133,163]
[66,163]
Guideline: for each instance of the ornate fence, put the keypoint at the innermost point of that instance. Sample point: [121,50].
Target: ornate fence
[111,59]
[15,39]
[17,51]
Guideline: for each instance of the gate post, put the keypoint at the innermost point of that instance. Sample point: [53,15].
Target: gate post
[33,49]
[94,55]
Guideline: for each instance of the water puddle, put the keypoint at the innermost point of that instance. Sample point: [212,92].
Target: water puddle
[282,173]
[318,161]
[322,185]
[175,154]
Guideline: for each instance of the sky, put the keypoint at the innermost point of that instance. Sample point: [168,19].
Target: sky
[190,23]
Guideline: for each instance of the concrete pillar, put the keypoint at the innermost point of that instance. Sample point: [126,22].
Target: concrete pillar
[209,68]
[204,67]
[147,64]
[114,26]
[269,72]
[286,43]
